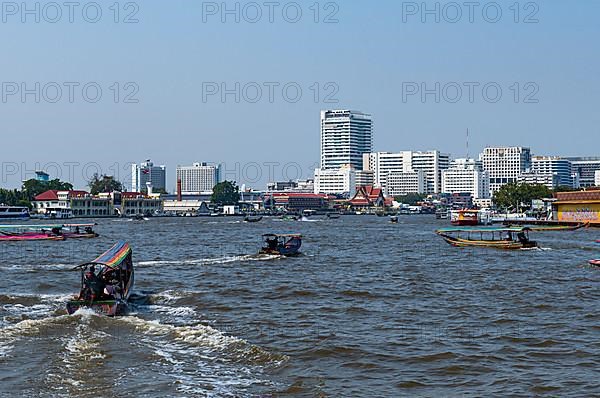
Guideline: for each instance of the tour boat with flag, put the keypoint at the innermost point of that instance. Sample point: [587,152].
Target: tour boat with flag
[511,238]
[106,282]
[282,244]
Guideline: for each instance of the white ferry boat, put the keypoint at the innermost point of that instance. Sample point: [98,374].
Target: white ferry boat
[13,212]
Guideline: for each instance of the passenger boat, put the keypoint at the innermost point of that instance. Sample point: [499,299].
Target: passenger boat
[280,244]
[499,238]
[465,217]
[106,282]
[46,232]
[14,213]
[250,218]
[13,237]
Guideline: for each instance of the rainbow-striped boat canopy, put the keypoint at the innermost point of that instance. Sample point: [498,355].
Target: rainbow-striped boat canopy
[115,255]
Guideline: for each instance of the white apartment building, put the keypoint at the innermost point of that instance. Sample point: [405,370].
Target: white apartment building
[345,136]
[336,181]
[466,175]
[554,166]
[430,162]
[199,178]
[530,177]
[505,164]
[597,178]
[405,182]
[147,172]
[383,163]
[364,178]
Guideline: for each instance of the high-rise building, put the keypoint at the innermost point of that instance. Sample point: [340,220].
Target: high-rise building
[553,166]
[199,178]
[382,164]
[505,164]
[466,176]
[345,136]
[531,177]
[430,162]
[145,173]
[336,181]
[585,168]
[405,182]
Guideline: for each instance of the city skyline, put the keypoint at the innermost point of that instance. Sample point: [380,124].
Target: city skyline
[173,122]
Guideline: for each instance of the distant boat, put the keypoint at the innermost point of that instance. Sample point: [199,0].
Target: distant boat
[14,213]
[497,238]
[333,216]
[595,263]
[253,218]
[394,219]
[284,245]
[106,282]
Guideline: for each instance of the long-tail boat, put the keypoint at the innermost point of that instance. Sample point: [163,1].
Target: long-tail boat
[284,245]
[511,238]
[106,282]
[34,232]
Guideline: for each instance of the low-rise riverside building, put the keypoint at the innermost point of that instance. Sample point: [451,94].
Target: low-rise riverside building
[580,206]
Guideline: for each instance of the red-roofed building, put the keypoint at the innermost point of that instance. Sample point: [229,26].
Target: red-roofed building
[296,201]
[369,196]
[67,204]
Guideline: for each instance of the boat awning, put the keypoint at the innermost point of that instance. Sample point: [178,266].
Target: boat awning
[463,229]
[284,235]
[115,255]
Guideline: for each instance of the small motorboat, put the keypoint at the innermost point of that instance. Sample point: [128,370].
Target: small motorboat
[288,217]
[595,263]
[498,238]
[106,282]
[250,218]
[333,216]
[280,244]
[74,231]
[394,219]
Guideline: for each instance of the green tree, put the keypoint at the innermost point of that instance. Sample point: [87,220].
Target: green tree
[104,183]
[226,193]
[33,187]
[410,199]
[514,195]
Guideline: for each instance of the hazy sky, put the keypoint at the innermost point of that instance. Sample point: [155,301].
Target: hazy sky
[375,58]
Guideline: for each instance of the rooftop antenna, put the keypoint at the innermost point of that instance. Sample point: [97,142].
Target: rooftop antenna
[467,143]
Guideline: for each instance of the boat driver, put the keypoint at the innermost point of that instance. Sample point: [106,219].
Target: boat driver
[93,286]
[272,243]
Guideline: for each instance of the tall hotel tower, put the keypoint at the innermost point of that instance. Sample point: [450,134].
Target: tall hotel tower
[345,137]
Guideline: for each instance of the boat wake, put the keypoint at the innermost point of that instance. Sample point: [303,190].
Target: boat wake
[86,349]
[212,261]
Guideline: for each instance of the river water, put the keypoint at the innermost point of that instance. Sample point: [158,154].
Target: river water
[371,309]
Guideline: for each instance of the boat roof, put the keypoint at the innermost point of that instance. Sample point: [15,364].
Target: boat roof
[284,235]
[114,256]
[488,229]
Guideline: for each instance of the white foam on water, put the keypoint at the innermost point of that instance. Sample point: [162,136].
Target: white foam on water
[210,261]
